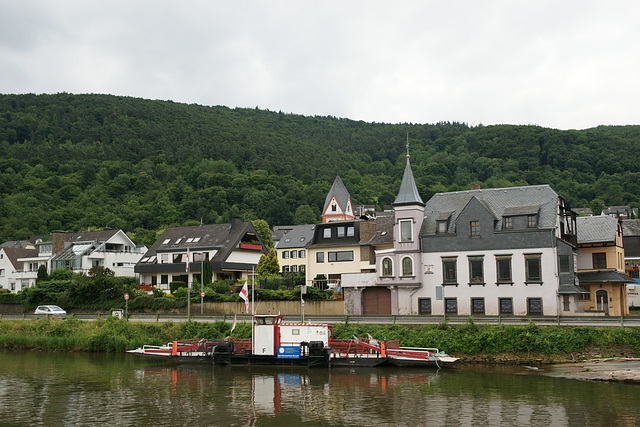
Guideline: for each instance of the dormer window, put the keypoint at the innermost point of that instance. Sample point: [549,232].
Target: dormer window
[508,222]
[474,229]
[326,233]
[441,227]
[532,221]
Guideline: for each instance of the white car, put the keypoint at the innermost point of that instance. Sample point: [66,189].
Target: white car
[50,311]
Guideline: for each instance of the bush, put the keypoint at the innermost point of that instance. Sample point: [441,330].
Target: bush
[222,286]
[11,298]
[174,286]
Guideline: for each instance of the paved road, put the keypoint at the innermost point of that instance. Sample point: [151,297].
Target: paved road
[628,321]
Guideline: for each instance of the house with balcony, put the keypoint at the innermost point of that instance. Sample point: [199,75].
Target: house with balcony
[232,249]
[11,267]
[601,266]
[80,252]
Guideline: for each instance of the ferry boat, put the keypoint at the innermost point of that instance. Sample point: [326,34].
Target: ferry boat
[278,343]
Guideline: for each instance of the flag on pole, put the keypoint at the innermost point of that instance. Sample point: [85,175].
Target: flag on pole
[187,266]
[244,294]
[234,324]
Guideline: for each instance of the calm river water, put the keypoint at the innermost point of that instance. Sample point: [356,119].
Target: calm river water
[85,389]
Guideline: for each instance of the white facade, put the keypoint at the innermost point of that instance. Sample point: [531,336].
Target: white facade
[465,293]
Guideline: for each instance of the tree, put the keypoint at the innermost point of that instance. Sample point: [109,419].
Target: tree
[207,273]
[304,215]
[268,264]
[42,273]
[262,227]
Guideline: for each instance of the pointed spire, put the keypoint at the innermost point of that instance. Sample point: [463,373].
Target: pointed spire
[408,194]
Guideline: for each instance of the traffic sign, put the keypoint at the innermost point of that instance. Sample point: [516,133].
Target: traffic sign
[126,297]
[202,294]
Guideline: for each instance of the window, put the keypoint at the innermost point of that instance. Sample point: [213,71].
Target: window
[506,305]
[476,270]
[449,271]
[451,305]
[534,306]
[424,305]
[406,230]
[532,221]
[319,256]
[441,227]
[302,254]
[164,279]
[503,268]
[326,233]
[285,268]
[477,305]
[341,231]
[533,268]
[340,256]
[334,208]
[508,222]
[407,266]
[294,268]
[474,229]
[301,268]
[565,265]
[351,231]
[599,260]
[166,241]
[566,304]
[387,267]
[164,258]
[294,254]
[1,272]
[285,254]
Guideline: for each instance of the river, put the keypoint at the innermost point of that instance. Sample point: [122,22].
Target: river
[39,388]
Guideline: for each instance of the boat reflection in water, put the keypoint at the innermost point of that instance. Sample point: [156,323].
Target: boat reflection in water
[390,396]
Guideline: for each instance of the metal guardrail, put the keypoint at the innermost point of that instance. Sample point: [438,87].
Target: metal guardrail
[604,321]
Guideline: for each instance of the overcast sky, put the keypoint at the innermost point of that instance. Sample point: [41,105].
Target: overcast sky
[560,64]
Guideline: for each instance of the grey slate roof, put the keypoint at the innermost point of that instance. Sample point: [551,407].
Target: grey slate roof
[91,236]
[609,276]
[339,191]
[408,194]
[497,201]
[384,233]
[223,237]
[300,236]
[18,244]
[631,227]
[596,229]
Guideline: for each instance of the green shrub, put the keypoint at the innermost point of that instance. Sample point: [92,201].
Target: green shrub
[174,286]
[222,286]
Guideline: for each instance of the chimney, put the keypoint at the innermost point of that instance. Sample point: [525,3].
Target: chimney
[367,230]
[475,186]
[235,223]
[57,241]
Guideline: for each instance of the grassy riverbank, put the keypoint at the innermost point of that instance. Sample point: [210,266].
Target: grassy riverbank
[471,342]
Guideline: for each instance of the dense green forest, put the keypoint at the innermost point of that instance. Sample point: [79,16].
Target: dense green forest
[73,162]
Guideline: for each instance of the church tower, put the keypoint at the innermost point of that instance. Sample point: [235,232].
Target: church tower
[337,205]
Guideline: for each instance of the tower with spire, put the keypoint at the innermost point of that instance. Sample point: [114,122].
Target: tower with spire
[401,267]
[337,205]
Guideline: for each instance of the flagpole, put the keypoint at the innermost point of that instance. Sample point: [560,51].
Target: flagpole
[188,290]
[253,287]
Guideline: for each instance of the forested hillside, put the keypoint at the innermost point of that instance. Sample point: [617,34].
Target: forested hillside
[71,162]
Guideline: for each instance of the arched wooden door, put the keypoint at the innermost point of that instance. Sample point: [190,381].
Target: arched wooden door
[376,301]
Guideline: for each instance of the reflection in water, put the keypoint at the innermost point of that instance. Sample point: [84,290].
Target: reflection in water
[81,389]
